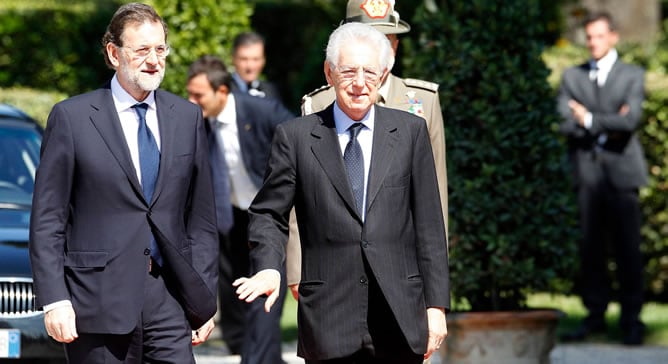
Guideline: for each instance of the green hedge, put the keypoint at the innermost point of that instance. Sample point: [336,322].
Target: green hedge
[55,45]
[512,221]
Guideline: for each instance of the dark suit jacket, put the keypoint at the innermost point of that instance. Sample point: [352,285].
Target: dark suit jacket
[402,237]
[256,120]
[91,226]
[621,156]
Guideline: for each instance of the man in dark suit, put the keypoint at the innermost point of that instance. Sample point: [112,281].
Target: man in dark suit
[243,126]
[123,237]
[601,106]
[248,59]
[362,180]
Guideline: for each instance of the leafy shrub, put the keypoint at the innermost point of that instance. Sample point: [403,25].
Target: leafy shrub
[512,218]
[196,28]
[63,54]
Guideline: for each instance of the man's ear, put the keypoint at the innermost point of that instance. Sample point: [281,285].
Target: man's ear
[328,73]
[112,53]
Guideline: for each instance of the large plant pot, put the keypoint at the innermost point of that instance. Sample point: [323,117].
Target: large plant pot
[522,337]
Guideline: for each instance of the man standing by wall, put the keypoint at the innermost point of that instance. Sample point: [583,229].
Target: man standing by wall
[601,106]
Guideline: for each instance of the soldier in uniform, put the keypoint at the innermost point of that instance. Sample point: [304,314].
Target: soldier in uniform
[414,96]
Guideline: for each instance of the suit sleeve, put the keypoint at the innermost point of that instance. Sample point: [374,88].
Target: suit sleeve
[634,97]
[431,238]
[270,210]
[201,226]
[568,126]
[50,209]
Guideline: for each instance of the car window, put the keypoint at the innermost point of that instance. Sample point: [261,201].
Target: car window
[19,157]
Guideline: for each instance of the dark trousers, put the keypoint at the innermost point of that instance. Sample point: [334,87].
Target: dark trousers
[610,218]
[383,342]
[162,335]
[246,328]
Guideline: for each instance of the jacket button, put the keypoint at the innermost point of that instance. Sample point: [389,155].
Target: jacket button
[147,251]
[363,280]
[365,243]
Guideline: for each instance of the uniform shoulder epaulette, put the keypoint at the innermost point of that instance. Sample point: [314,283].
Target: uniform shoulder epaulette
[429,86]
[316,91]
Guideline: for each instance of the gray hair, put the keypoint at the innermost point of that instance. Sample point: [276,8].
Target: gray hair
[359,32]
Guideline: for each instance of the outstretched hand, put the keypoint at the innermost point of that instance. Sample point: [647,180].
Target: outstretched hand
[265,282]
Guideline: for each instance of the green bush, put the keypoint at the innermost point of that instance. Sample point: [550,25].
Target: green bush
[512,224]
[54,47]
[63,53]
[196,28]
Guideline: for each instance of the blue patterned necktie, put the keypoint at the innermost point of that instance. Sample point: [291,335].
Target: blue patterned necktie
[220,176]
[149,164]
[354,160]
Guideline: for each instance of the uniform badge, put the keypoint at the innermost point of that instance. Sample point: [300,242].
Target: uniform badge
[375,9]
[414,104]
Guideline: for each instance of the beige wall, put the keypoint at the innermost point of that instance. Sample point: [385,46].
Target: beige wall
[637,20]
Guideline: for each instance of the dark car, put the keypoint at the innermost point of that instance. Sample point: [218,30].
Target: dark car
[22,332]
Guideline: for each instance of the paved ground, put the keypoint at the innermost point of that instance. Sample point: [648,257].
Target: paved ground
[562,354]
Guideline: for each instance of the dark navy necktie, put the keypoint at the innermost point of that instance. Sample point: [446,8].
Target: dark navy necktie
[354,161]
[149,164]
[220,176]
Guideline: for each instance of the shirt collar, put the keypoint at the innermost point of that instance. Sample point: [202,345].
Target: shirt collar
[606,62]
[123,100]
[228,114]
[343,121]
[243,86]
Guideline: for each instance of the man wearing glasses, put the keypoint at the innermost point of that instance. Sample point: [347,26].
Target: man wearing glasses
[123,240]
[362,181]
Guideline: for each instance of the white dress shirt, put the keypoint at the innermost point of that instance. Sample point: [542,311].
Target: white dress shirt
[242,188]
[599,71]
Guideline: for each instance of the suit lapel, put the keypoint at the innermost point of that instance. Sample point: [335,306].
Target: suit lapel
[384,139]
[167,124]
[105,119]
[327,151]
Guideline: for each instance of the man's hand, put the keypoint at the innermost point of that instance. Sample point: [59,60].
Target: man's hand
[578,110]
[294,289]
[438,330]
[267,281]
[200,335]
[60,324]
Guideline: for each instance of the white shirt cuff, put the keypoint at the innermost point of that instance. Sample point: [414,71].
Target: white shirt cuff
[51,306]
[587,120]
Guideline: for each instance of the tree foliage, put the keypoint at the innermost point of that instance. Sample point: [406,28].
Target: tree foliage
[197,28]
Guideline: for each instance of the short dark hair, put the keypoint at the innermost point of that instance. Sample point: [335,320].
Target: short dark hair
[601,15]
[131,13]
[214,69]
[246,38]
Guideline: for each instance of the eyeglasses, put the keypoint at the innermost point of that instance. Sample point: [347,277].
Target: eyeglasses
[161,51]
[349,74]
